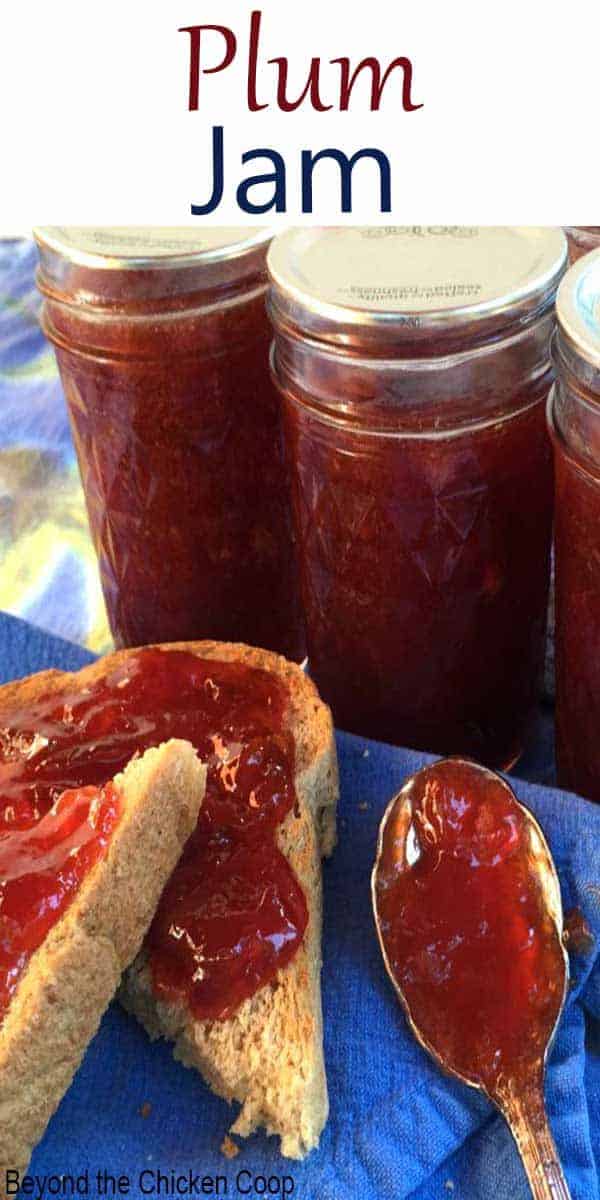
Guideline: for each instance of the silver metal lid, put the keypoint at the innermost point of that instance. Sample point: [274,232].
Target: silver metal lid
[132,247]
[359,286]
[578,310]
[148,261]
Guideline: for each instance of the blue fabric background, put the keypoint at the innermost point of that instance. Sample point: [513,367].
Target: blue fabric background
[48,569]
[398,1128]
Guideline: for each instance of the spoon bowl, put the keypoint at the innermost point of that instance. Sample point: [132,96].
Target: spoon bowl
[468,913]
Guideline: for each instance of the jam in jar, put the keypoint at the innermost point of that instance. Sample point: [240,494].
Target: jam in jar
[162,338]
[414,365]
[574,418]
[233,912]
[582,239]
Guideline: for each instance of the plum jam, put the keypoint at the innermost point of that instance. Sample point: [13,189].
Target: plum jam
[162,338]
[43,861]
[414,365]
[574,418]
[233,912]
[465,927]
[582,239]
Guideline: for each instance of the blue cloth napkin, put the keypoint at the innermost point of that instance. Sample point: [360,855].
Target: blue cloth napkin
[398,1127]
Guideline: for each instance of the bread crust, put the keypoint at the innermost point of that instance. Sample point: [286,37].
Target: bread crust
[74,974]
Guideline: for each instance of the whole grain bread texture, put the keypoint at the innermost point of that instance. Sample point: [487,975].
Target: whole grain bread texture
[71,978]
[269,1055]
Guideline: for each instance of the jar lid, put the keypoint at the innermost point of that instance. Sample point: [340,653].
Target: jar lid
[150,261]
[578,309]
[407,285]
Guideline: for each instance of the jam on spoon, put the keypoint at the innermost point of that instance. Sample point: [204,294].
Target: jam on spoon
[468,912]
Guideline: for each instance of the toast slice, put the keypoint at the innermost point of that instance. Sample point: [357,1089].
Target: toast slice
[70,980]
[269,1055]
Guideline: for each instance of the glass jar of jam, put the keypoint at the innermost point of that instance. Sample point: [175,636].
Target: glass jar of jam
[414,363]
[162,340]
[574,418]
[582,239]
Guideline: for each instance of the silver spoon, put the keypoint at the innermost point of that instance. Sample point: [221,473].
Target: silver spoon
[412,828]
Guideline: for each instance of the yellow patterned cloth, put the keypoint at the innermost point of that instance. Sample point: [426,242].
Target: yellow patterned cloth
[48,571]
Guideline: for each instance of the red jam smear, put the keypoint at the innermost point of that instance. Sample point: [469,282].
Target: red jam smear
[464,927]
[42,866]
[233,912]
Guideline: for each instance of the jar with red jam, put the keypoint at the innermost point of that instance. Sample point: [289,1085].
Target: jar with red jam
[574,418]
[582,239]
[414,364]
[162,341]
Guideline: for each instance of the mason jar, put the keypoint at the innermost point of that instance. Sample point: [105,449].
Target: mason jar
[582,239]
[162,339]
[574,420]
[414,367]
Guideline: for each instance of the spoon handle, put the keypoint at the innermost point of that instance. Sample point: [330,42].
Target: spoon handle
[526,1116]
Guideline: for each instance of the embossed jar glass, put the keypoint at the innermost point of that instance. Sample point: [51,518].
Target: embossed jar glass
[574,419]
[414,365]
[162,340]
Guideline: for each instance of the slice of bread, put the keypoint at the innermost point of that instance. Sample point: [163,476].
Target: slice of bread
[269,1055]
[71,978]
